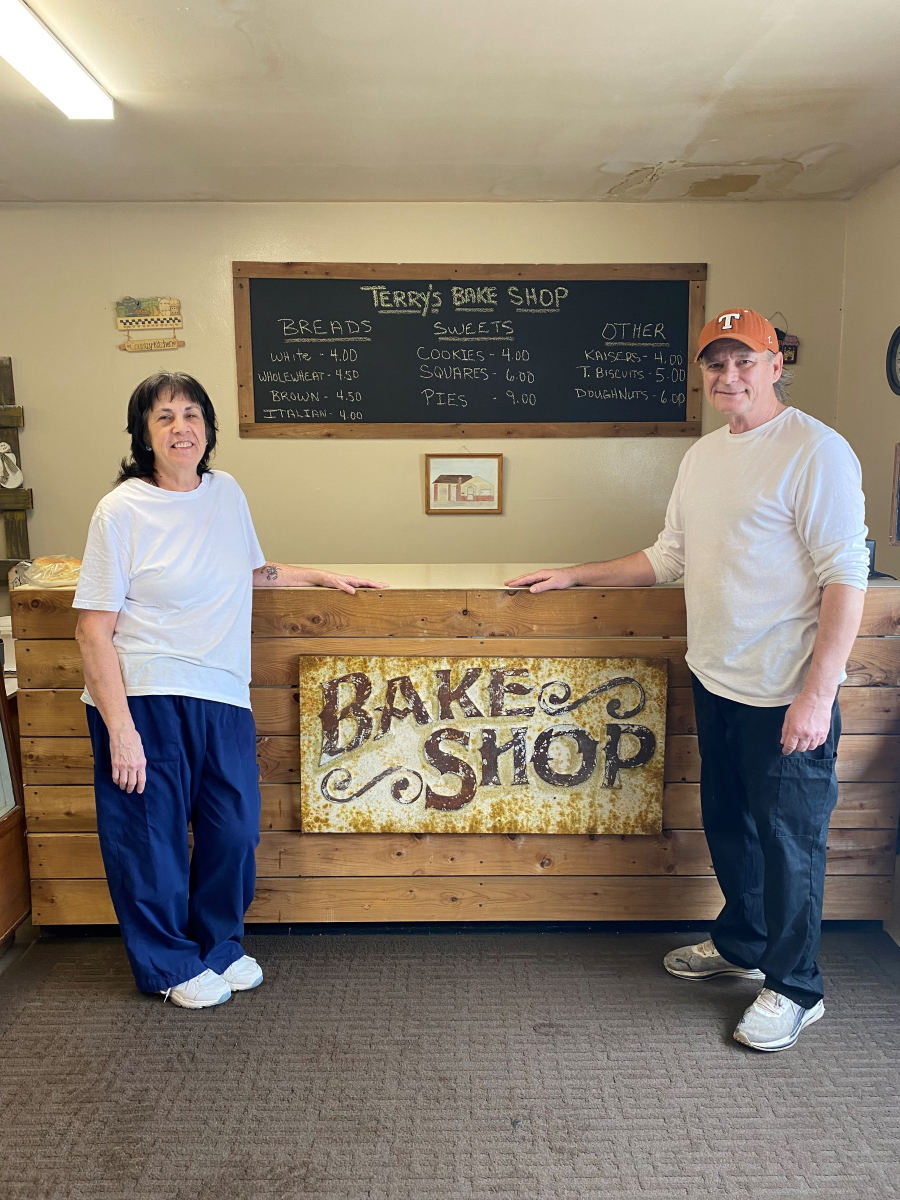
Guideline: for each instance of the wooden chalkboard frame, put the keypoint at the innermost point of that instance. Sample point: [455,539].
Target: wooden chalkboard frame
[243,272]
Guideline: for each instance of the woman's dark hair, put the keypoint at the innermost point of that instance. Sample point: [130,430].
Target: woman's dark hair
[163,383]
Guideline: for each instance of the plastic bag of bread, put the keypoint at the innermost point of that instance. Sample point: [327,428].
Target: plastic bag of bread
[53,570]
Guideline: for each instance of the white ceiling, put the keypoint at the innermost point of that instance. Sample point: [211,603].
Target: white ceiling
[463,100]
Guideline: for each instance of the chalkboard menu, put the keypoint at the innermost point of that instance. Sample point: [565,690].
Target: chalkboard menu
[374,350]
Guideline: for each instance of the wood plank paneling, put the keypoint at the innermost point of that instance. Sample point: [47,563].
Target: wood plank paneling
[61,809]
[53,808]
[52,712]
[49,664]
[868,758]
[863,710]
[324,612]
[42,612]
[505,898]
[282,612]
[57,760]
[60,712]
[279,759]
[862,758]
[71,902]
[859,806]
[70,761]
[350,855]
[881,612]
[579,612]
[276,711]
[275,659]
[874,662]
[65,856]
[679,711]
[280,807]
[321,612]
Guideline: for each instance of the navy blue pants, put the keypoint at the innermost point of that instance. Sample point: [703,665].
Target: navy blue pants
[181,913]
[766,816]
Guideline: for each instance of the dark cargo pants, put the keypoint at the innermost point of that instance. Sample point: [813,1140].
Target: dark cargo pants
[181,913]
[766,816]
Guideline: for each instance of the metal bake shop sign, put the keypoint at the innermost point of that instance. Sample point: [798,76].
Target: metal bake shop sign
[482,745]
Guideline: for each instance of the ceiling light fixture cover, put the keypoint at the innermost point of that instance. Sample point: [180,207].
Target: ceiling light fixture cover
[29,47]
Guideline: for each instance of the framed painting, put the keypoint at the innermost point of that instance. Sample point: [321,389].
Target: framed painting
[463,483]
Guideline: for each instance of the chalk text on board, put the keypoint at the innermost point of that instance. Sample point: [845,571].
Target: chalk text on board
[538,298]
[618,331]
[409,300]
[316,328]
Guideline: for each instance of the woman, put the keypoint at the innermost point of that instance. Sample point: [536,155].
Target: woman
[164,630]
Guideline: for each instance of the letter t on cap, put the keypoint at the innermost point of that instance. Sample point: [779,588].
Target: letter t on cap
[727,318]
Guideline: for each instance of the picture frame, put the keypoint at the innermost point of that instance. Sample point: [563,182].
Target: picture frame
[463,484]
[894,536]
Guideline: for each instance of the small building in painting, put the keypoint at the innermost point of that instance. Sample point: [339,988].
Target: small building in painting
[462,489]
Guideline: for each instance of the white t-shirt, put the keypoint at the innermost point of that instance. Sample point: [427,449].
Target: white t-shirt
[758,523]
[177,568]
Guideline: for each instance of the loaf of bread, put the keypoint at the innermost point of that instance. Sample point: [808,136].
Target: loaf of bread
[53,570]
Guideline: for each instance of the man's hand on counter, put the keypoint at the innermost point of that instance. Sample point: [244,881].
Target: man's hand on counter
[286,575]
[549,580]
[634,570]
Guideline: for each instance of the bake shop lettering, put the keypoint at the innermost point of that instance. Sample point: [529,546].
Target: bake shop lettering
[481,744]
[469,696]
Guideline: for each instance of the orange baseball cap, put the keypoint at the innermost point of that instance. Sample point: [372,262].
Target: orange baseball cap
[741,325]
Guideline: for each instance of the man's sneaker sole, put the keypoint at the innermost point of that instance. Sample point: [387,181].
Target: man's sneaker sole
[812,1015]
[742,972]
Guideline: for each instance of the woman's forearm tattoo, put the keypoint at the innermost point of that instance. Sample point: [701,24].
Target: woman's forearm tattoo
[271,571]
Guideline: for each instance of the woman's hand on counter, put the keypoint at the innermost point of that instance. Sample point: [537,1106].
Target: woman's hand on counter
[285,575]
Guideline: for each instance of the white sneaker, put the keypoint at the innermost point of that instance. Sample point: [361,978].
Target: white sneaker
[773,1022]
[243,975]
[703,961]
[203,991]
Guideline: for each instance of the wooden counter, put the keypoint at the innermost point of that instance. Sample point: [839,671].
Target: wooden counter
[472,877]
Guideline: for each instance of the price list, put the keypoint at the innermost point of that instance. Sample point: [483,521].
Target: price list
[352,351]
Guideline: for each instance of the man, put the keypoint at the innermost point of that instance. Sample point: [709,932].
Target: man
[765,523]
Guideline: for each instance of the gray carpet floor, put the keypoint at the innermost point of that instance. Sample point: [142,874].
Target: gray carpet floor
[483,1067]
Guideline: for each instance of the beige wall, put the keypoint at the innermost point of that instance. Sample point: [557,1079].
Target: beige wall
[360,501]
[869,412]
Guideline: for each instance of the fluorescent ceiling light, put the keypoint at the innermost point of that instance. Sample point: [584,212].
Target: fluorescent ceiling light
[32,49]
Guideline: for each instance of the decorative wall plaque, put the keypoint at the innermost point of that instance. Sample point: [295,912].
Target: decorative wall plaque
[482,745]
[149,312]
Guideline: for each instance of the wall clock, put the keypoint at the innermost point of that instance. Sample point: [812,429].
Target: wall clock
[893,361]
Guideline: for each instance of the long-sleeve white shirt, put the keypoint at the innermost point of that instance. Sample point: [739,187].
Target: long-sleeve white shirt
[758,523]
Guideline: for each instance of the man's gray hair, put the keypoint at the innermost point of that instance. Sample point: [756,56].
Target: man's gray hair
[781,385]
